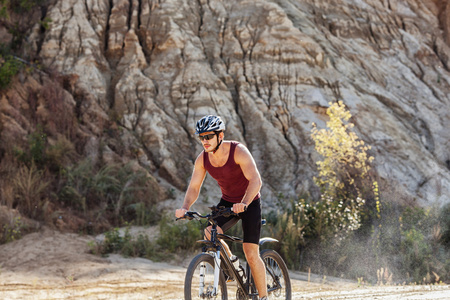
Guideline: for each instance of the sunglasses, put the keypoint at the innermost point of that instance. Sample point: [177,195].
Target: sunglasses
[206,137]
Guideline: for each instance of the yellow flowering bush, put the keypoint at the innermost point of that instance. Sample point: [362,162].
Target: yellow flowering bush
[342,174]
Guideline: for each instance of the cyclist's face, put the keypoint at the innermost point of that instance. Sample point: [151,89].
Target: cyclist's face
[209,140]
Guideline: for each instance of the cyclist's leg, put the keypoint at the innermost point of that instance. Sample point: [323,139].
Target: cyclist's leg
[257,266]
[251,226]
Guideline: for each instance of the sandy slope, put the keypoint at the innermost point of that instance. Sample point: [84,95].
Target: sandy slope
[52,265]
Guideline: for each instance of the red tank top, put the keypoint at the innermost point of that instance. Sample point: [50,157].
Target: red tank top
[230,177]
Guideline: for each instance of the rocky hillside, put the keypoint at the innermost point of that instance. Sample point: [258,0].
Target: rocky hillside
[134,76]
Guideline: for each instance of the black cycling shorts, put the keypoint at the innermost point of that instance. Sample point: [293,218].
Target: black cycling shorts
[251,220]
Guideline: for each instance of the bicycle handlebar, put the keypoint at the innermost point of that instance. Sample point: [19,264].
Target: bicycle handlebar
[215,213]
[191,215]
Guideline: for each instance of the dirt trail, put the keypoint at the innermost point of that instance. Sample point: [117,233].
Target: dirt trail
[52,265]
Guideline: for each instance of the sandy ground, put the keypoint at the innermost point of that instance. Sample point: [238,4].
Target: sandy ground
[52,265]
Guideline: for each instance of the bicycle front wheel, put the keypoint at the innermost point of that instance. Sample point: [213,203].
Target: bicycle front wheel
[199,281]
[277,275]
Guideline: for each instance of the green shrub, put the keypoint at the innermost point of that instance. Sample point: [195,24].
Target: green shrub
[76,184]
[174,237]
[416,255]
[125,193]
[20,6]
[9,67]
[403,245]
[45,23]
[4,9]
[181,235]
[288,227]
[114,242]
[424,253]
[12,232]
[35,152]
[142,213]
[144,248]
[125,244]
[444,220]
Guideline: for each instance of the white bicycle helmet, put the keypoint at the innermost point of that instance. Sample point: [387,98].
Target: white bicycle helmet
[209,123]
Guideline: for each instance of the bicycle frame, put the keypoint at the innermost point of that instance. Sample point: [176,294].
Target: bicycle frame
[214,246]
[245,286]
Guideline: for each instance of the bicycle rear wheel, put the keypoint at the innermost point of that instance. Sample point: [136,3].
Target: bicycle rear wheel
[201,269]
[277,275]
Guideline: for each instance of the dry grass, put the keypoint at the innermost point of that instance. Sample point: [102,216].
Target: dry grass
[30,186]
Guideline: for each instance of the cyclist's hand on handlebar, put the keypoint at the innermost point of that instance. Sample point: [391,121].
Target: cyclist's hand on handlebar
[239,207]
[179,213]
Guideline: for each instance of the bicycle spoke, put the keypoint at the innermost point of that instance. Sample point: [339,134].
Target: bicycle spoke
[274,277]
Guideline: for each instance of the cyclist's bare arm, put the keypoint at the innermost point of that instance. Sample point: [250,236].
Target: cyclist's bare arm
[248,166]
[198,175]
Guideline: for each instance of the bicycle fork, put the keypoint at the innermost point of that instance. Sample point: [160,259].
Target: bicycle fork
[202,279]
[216,272]
[215,290]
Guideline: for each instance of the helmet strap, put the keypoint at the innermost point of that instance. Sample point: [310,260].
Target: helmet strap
[218,145]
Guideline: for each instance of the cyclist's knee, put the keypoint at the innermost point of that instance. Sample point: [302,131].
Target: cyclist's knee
[251,252]
[207,232]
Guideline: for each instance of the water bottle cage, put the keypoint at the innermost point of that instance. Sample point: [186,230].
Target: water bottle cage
[241,272]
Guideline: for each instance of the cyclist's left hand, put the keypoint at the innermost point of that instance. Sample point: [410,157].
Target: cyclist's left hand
[239,207]
[179,213]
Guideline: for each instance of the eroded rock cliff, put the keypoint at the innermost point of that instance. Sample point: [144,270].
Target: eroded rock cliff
[269,68]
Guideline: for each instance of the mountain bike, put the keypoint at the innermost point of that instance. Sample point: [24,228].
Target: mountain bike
[209,271]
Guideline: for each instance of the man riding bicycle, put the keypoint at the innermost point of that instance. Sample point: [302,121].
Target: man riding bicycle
[233,167]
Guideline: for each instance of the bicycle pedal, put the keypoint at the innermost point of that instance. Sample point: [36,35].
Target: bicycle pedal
[228,278]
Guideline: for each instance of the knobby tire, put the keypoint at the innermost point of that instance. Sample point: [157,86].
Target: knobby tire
[275,266]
